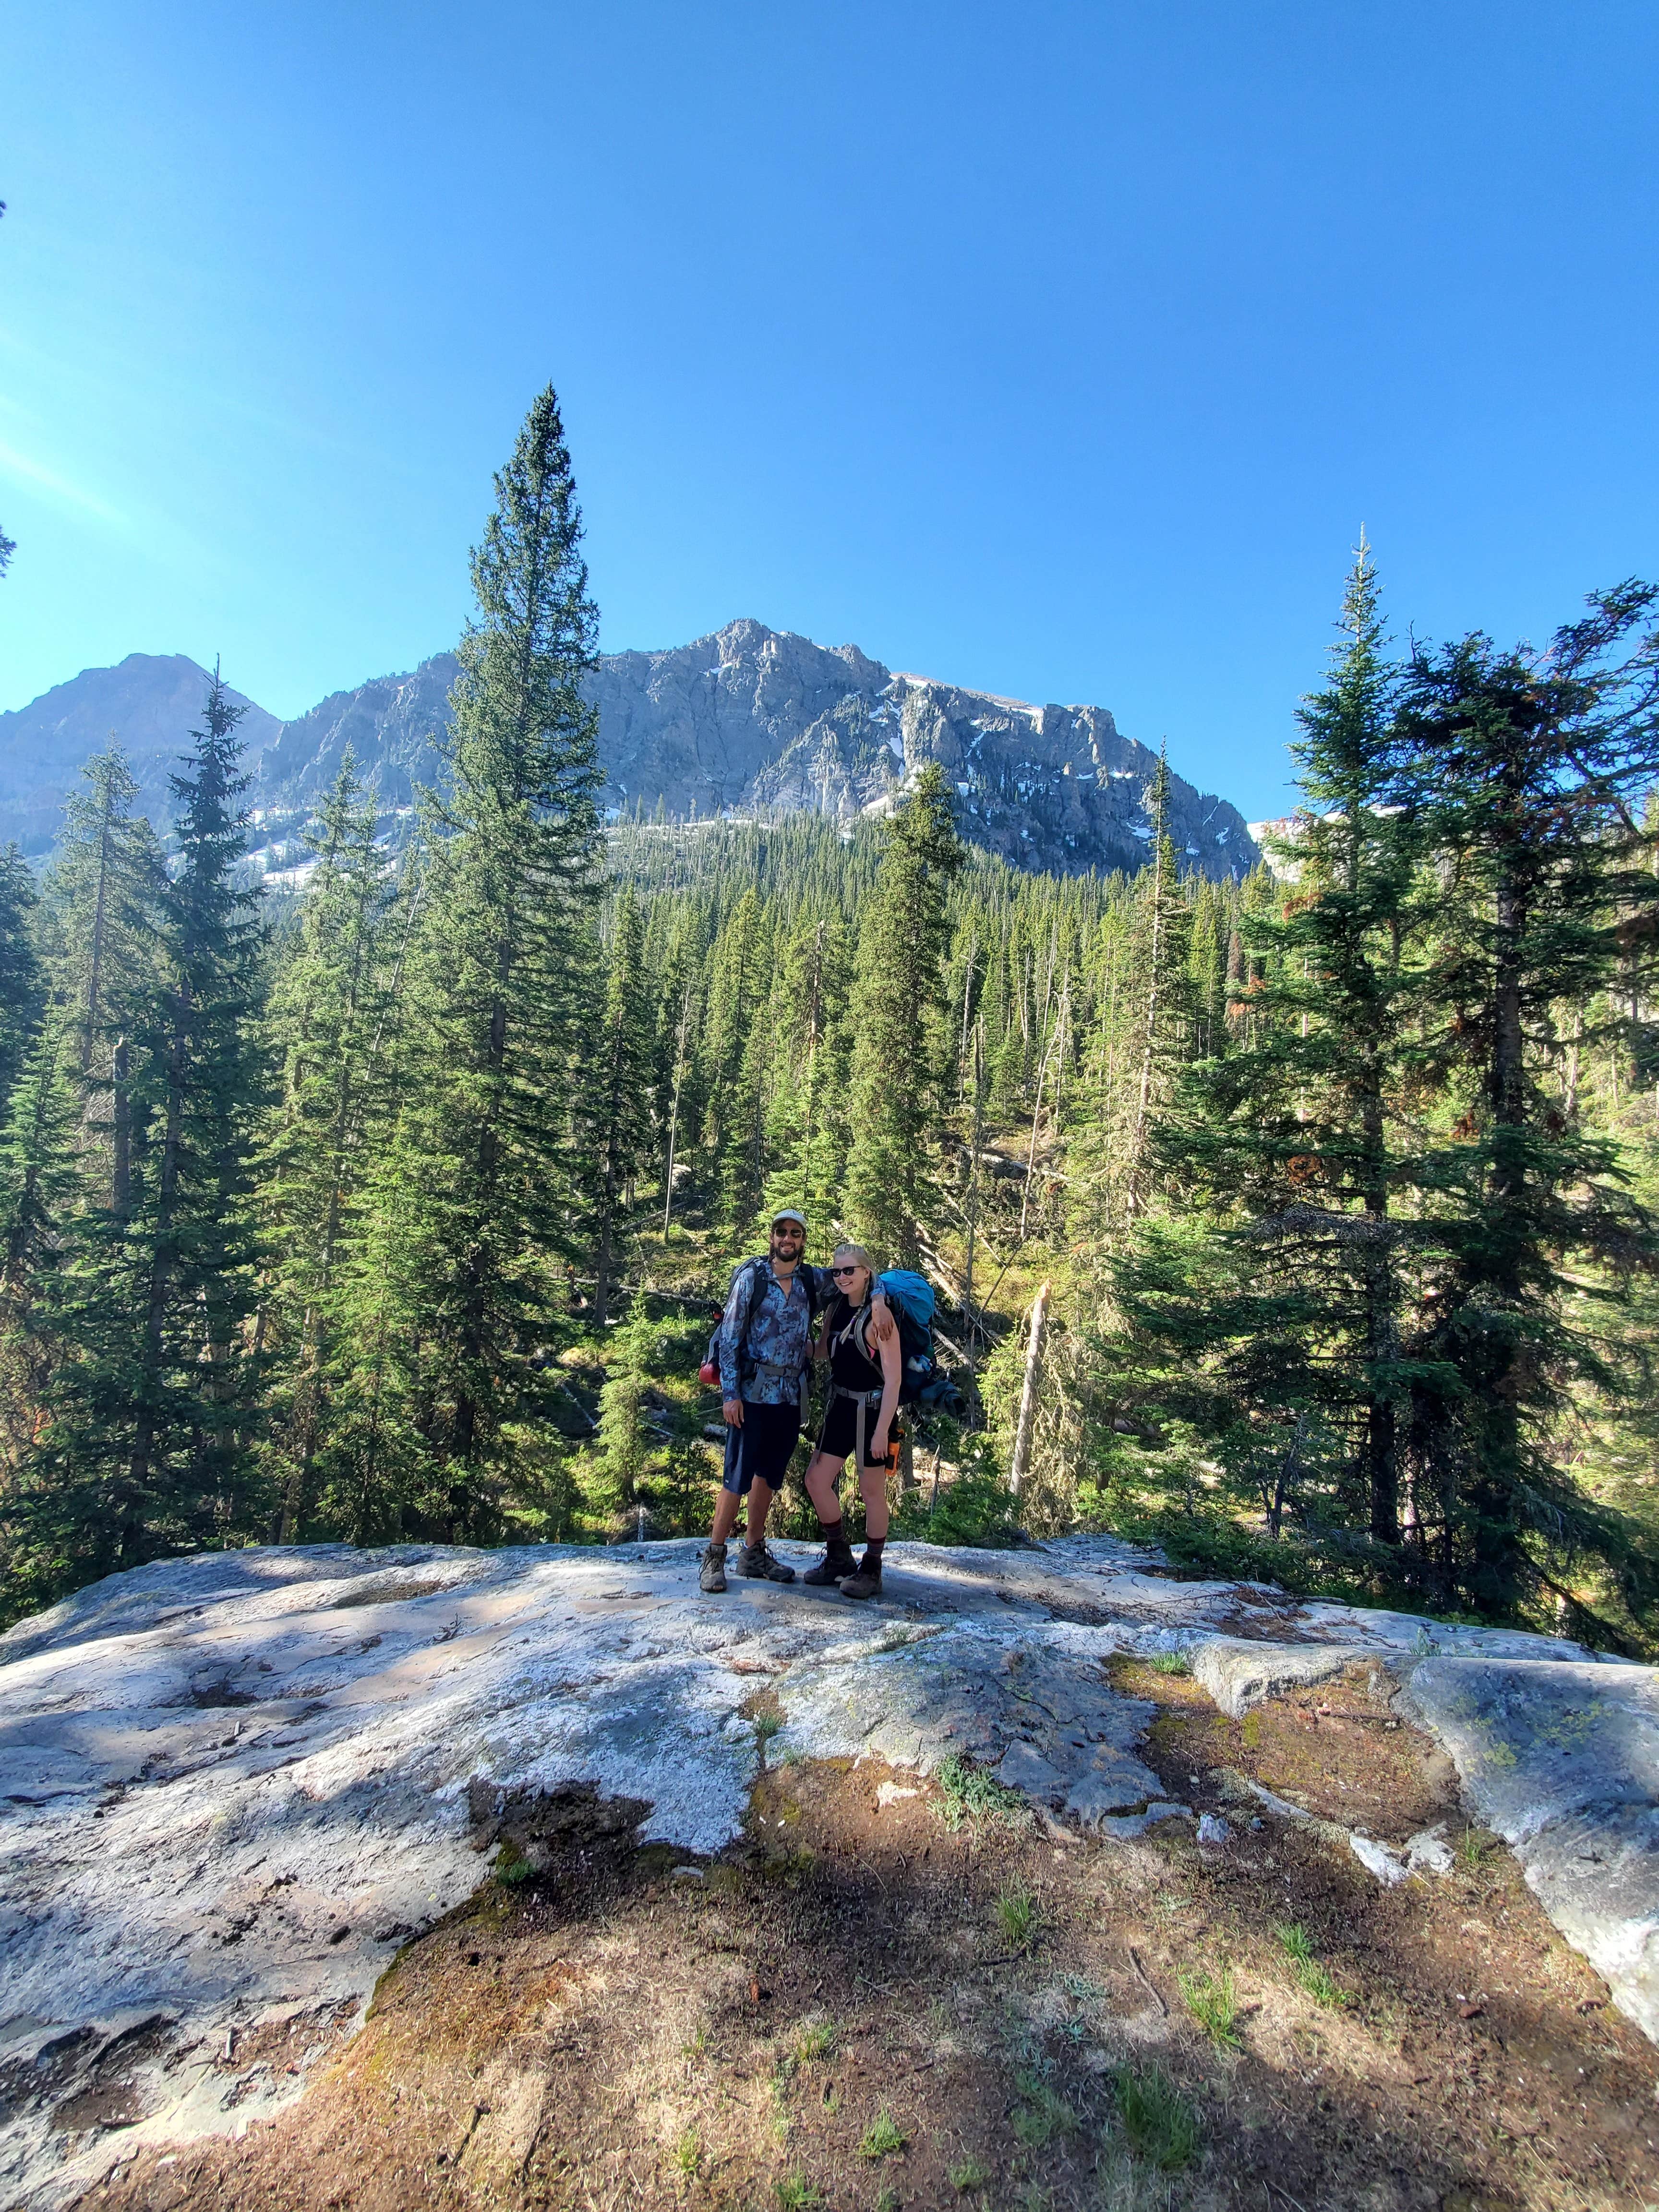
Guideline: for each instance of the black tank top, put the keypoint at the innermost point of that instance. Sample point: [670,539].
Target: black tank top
[850,1365]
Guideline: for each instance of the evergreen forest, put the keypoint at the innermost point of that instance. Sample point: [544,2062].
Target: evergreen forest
[1306,1225]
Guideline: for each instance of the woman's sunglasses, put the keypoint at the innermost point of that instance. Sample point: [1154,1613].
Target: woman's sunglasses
[853,1270]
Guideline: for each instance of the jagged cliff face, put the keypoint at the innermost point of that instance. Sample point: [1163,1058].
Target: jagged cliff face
[390,725]
[750,720]
[754,717]
[151,703]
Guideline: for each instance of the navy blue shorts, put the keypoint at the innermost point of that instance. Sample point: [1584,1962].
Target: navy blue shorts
[760,1449]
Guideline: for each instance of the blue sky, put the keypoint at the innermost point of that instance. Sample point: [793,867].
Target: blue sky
[1057,350]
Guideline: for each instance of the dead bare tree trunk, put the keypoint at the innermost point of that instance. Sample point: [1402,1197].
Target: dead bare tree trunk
[1028,1396]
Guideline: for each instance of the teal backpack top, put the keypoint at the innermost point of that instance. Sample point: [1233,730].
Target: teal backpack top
[922,1381]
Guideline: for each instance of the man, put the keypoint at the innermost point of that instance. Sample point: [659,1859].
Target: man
[766,1340]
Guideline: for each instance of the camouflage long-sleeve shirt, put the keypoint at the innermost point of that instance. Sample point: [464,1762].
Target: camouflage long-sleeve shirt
[766,1336]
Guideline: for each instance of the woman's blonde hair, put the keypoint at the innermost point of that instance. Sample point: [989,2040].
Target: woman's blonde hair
[854,1252]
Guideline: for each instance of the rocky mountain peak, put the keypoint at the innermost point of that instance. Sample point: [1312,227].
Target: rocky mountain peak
[746,719]
[149,703]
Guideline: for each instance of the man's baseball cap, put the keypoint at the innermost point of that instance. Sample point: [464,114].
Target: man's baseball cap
[788,1213]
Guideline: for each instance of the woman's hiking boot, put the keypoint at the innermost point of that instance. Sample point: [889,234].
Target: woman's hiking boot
[754,1559]
[713,1577]
[867,1582]
[837,1561]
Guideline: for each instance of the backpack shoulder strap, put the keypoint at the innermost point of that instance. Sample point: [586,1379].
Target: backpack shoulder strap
[750,1271]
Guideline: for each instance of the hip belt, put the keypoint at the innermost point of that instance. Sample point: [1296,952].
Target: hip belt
[777,1370]
[863,1399]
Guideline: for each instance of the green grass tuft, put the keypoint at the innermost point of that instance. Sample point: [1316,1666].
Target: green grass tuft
[512,1871]
[1213,2003]
[795,2193]
[815,2039]
[688,2155]
[1017,1915]
[1158,2122]
[972,1792]
[882,2138]
[968,2173]
[1169,1663]
[1311,1974]
[1043,2114]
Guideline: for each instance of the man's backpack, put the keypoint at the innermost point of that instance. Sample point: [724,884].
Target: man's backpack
[709,1373]
[922,1381]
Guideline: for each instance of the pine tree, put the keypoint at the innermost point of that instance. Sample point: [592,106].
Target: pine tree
[617,1120]
[22,990]
[1302,1120]
[1162,989]
[899,1044]
[102,918]
[148,1446]
[331,1010]
[1348,956]
[676,1086]
[808,1126]
[627,1443]
[1291,1143]
[1525,764]
[1141,1032]
[500,994]
[375,1477]
[39,1183]
[738,987]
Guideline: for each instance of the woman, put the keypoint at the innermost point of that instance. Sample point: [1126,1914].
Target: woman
[864,1388]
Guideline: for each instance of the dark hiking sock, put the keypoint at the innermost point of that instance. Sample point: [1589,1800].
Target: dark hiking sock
[872,1551]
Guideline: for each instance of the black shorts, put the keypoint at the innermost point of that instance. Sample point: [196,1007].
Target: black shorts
[760,1449]
[840,1433]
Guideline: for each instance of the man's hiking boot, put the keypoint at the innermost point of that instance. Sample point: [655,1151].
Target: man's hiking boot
[713,1577]
[867,1582]
[837,1561]
[755,1561]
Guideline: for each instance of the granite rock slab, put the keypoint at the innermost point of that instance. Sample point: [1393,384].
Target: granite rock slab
[233,1785]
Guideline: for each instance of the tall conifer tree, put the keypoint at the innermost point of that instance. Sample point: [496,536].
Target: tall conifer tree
[900,1043]
[617,1116]
[102,920]
[1528,764]
[1291,1143]
[21,988]
[149,1445]
[332,1015]
[500,995]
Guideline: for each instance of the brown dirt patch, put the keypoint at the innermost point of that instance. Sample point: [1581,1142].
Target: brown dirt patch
[609,2033]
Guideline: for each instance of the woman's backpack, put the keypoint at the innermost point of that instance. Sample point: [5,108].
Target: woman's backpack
[922,1381]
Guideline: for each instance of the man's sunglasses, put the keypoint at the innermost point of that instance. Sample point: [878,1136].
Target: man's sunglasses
[787,1229]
